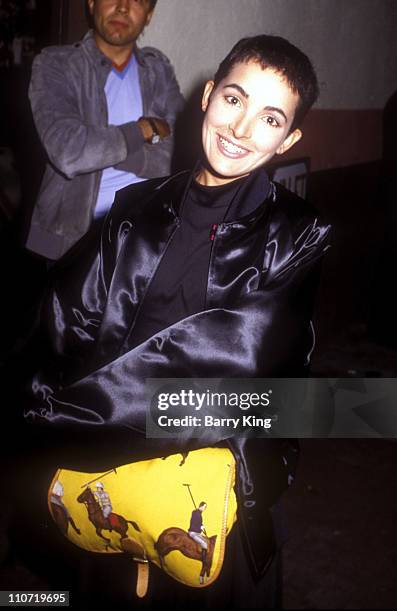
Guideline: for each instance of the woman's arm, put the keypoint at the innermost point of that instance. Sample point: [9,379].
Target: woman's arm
[266,333]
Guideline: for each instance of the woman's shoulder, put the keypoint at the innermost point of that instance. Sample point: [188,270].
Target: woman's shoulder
[132,200]
[296,227]
[294,210]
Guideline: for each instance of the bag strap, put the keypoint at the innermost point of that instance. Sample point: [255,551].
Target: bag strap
[142,579]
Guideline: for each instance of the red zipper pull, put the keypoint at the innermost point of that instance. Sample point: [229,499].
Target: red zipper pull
[213,231]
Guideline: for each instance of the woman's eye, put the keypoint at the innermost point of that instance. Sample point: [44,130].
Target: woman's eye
[232,100]
[271,121]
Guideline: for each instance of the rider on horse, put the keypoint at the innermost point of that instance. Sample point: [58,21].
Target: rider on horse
[196,529]
[103,499]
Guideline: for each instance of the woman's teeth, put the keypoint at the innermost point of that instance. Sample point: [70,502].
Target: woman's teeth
[230,147]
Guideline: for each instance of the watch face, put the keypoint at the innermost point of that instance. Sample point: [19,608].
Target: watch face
[155,138]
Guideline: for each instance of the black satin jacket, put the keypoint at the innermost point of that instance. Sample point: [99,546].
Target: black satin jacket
[262,277]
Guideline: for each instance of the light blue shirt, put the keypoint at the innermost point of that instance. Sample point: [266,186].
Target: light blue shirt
[124,102]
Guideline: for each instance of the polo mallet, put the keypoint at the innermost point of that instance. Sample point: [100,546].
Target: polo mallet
[99,478]
[188,486]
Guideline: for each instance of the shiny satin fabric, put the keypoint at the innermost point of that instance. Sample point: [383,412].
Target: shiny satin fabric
[262,278]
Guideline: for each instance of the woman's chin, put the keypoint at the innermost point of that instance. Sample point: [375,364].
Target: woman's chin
[212,175]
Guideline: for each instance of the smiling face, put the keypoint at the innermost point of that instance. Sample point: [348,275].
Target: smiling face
[248,119]
[118,23]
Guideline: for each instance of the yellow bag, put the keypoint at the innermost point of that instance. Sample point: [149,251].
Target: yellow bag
[144,509]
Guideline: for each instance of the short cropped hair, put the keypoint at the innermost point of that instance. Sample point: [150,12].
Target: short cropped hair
[279,54]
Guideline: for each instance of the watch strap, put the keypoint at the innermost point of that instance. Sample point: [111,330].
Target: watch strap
[156,136]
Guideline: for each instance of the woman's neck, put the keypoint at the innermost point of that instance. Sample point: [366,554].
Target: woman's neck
[209,179]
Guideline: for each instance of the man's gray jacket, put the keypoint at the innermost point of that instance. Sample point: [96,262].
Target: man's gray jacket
[70,112]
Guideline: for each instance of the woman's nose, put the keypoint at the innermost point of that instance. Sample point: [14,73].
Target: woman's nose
[241,127]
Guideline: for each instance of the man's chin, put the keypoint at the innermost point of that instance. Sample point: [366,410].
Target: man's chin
[119,40]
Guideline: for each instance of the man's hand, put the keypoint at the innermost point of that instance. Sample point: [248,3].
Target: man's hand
[151,126]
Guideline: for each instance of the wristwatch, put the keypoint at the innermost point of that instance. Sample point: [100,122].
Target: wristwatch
[155,139]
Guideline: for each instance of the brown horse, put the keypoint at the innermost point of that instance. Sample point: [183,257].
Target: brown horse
[174,538]
[132,547]
[114,522]
[63,519]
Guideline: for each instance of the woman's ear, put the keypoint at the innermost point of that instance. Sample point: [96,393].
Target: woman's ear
[209,86]
[289,142]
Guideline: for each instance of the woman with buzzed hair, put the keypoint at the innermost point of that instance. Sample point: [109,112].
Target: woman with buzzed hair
[209,273]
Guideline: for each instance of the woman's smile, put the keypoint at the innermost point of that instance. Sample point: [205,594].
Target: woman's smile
[230,149]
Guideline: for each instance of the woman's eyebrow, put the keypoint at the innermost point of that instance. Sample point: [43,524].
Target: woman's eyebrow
[276,110]
[239,89]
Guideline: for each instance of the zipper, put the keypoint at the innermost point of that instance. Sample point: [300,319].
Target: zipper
[214,227]
[230,481]
[212,237]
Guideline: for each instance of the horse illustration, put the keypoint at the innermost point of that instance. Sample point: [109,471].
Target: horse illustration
[114,522]
[59,511]
[62,518]
[132,547]
[175,538]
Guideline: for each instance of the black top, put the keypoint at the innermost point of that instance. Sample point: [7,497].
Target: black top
[196,521]
[179,286]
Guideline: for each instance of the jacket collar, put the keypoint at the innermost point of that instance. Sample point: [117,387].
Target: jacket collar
[249,199]
[247,203]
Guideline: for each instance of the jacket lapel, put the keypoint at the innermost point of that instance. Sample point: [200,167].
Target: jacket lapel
[150,231]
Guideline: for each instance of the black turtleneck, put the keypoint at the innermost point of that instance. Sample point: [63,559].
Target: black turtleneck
[179,286]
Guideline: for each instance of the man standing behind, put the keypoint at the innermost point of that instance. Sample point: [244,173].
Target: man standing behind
[105,111]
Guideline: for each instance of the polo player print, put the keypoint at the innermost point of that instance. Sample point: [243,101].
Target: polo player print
[106,520]
[59,511]
[194,543]
[119,511]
